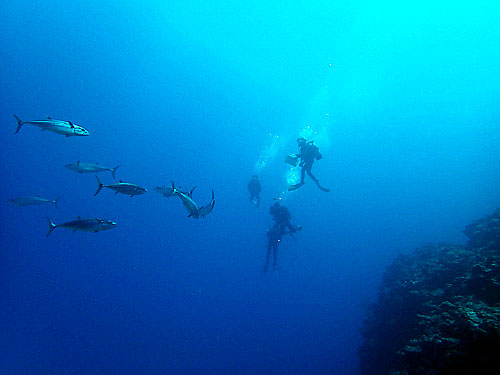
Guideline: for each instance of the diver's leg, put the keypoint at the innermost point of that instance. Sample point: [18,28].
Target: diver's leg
[275,255]
[268,254]
[312,176]
[308,168]
[316,180]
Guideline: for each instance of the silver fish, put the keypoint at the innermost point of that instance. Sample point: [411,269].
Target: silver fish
[187,200]
[205,210]
[88,225]
[66,128]
[32,201]
[90,168]
[169,191]
[126,188]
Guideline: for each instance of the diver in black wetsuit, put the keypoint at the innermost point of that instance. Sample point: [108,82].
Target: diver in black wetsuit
[282,226]
[254,188]
[308,153]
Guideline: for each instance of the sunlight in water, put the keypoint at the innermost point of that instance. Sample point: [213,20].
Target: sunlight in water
[269,153]
[318,124]
[293,176]
[319,114]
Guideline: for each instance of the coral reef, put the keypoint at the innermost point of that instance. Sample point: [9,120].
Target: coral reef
[438,310]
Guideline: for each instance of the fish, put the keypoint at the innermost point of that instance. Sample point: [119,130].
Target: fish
[90,168]
[205,210]
[187,201]
[32,201]
[126,188]
[66,128]
[87,225]
[169,191]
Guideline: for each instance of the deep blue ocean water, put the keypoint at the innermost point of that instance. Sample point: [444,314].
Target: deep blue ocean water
[401,98]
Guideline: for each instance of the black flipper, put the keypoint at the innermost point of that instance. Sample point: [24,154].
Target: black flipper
[326,190]
[296,186]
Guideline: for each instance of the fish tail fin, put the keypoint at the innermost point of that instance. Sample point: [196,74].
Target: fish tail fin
[56,200]
[19,124]
[51,227]
[113,170]
[98,187]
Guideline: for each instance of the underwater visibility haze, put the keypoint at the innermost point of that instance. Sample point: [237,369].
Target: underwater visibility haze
[401,99]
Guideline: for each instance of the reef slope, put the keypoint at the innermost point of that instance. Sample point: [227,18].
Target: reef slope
[438,310]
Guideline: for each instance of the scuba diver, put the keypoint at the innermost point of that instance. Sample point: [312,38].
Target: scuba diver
[308,153]
[282,226]
[254,188]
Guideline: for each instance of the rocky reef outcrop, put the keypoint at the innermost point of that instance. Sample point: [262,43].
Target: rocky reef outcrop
[438,310]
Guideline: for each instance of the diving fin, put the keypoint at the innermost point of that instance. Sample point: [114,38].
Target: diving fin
[295,187]
[326,190]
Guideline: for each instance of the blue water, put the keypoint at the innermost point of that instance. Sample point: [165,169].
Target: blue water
[401,98]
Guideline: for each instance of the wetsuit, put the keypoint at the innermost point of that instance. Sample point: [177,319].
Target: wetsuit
[308,153]
[281,217]
[254,188]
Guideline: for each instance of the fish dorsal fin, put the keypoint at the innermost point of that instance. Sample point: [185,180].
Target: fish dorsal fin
[190,194]
[121,181]
[79,217]
[49,118]
[173,185]
[71,124]
[78,163]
